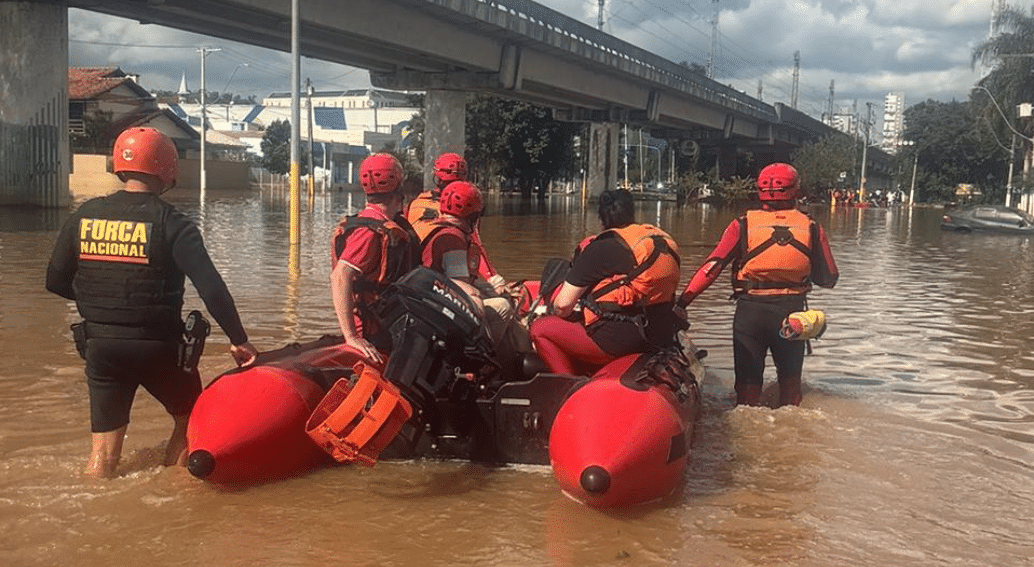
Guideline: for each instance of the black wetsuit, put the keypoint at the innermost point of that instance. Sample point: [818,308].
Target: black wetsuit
[122,259]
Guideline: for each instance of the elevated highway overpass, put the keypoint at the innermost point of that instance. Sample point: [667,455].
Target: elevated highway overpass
[514,48]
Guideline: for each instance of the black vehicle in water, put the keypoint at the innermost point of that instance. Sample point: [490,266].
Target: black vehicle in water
[990,218]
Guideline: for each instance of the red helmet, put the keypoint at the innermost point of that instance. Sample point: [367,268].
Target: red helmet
[146,150]
[461,199]
[778,182]
[450,167]
[380,173]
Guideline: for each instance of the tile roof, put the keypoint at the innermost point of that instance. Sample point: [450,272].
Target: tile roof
[88,82]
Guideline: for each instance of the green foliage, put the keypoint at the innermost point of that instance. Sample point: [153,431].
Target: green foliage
[517,140]
[821,163]
[97,138]
[951,150]
[276,149]
[735,189]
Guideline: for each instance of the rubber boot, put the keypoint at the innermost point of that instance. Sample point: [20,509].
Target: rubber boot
[790,392]
[748,394]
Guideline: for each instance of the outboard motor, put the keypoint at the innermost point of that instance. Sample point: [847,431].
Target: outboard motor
[439,346]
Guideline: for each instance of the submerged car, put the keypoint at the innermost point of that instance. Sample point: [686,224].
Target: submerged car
[991,218]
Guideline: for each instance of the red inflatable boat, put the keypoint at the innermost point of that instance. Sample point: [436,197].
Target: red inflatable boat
[618,438]
[248,424]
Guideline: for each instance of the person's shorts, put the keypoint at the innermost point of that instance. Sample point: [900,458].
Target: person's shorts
[115,368]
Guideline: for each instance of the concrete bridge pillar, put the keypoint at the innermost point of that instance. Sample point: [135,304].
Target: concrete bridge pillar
[34,151]
[444,128]
[603,158]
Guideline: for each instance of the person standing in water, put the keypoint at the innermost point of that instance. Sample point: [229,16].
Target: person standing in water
[123,259]
[777,253]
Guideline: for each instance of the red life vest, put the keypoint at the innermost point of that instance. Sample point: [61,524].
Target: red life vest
[775,253]
[653,280]
[473,250]
[399,250]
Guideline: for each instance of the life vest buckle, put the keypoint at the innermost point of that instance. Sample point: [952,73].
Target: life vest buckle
[359,417]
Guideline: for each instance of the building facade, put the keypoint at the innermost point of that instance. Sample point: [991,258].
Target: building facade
[893,122]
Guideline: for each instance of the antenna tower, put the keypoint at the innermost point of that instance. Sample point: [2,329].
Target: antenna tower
[997,7]
[796,78]
[829,112]
[713,55]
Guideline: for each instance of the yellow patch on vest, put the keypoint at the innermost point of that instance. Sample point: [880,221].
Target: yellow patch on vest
[108,240]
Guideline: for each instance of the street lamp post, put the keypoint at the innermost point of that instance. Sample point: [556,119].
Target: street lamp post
[202,182]
[1012,148]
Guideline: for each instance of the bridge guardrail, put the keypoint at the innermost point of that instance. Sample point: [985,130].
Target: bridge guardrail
[545,25]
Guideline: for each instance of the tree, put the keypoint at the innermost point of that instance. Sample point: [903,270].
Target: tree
[821,163]
[97,135]
[951,150]
[1010,81]
[518,140]
[276,149]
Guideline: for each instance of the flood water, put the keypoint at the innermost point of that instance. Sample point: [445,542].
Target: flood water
[913,445]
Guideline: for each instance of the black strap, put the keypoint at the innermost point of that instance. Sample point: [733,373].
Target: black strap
[660,246]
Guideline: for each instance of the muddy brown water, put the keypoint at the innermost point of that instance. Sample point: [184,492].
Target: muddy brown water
[913,445]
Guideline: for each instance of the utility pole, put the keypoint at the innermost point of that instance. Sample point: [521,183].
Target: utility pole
[312,173]
[760,89]
[599,17]
[829,112]
[1008,183]
[202,175]
[626,156]
[296,116]
[712,56]
[865,153]
[912,190]
[796,78]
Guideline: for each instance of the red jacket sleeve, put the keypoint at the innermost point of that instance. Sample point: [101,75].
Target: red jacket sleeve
[726,250]
[824,271]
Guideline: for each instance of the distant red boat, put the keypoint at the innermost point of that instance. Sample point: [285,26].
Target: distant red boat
[619,438]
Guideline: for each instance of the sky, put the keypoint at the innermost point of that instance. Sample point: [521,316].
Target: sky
[866,48]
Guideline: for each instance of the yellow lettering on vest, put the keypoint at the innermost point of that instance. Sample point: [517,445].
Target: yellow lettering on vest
[84,228]
[98,229]
[111,231]
[124,229]
[139,233]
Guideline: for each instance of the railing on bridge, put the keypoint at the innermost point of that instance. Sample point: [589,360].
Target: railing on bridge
[547,26]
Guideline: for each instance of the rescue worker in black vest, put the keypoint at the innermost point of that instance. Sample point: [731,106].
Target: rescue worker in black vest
[122,258]
[369,252]
[777,253]
[625,278]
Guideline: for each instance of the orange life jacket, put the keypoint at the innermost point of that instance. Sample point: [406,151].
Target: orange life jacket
[422,211]
[775,253]
[653,280]
[400,251]
[473,250]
